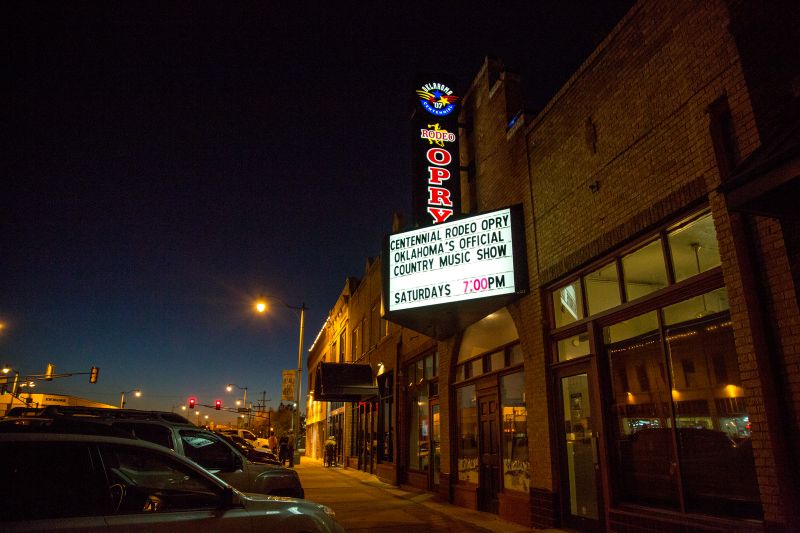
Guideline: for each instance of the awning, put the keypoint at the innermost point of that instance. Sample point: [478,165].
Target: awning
[344,382]
[768,182]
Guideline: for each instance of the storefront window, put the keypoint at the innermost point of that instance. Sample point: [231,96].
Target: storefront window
[693,247]
[568,304]
[419,435]
[644,270]
[682,385]
[467,432]
[386,418]
[516,468]
[602,289]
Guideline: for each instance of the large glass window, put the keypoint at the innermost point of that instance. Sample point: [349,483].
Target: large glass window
[467,433]
[693,247]
[516,468]
[644,270]
[682,426]
[419,443]
[602,288]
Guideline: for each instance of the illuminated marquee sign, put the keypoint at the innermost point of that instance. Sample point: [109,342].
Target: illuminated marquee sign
[435,140]
[471,258]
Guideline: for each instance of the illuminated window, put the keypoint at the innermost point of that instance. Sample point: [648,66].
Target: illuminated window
[568,304]
[693,247]
[602,289]
[644,270]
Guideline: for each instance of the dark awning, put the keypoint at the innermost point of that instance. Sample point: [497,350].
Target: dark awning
[344,382]
[767,183]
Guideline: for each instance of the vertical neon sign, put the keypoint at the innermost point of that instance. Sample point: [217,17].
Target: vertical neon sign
[437,187]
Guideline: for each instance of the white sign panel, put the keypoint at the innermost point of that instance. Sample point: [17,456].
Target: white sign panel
[452,262]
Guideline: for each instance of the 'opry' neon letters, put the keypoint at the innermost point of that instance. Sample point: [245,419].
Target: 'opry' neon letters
[439,196]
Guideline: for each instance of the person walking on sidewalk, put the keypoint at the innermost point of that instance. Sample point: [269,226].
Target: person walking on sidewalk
[330,451]
[272,442]
[283,454]
[291,448]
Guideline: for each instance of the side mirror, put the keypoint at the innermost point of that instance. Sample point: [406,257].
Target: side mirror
[238,462]
[228,499]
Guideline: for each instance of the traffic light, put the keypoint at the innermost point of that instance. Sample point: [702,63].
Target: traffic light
[192,401]
[48,374]
[218,405]
[93,374]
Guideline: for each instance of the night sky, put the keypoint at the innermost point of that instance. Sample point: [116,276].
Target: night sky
[166,164]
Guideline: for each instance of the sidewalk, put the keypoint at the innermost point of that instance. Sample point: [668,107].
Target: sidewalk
[363,503]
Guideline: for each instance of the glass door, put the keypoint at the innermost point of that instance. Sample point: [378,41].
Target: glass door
[579,447]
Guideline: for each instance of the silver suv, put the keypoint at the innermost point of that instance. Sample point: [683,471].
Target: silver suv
[100,483]
[201,446]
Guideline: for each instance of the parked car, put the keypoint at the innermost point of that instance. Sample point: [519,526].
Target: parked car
[249,436]
[203,447]
[257,455]
[97,483]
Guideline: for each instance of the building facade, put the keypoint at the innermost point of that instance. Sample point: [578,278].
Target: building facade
[650,379]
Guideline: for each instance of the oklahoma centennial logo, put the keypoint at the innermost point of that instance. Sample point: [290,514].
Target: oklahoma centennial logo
[437,99]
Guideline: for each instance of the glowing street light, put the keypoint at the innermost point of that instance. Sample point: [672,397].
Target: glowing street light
[261,307]
[136,392]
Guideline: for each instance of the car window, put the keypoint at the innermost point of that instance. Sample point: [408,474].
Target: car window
[147,481]
[41,480]
[247,435]
[150,432]
[206,450]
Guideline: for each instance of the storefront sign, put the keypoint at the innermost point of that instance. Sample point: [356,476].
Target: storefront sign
[466,259]
[436,188]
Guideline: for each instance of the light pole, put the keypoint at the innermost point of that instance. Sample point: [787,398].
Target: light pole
[230,387]
[261,307]
[136,392]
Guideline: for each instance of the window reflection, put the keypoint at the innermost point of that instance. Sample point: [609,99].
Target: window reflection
[467,434]
[516,468]
[685,390]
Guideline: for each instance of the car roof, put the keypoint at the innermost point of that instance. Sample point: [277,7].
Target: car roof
[101,439]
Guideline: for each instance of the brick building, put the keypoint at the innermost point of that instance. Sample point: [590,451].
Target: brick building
[650,379]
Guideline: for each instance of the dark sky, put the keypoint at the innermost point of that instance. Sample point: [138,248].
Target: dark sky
[165,164]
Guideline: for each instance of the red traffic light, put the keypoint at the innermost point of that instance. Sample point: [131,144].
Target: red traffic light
[192,401]
[218,405]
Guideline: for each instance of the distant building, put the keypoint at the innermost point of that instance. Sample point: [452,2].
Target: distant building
[7,401]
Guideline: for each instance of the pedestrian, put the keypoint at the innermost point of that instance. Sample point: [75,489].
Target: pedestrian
[330,451]
[283,455]
[272,442]
[291,448]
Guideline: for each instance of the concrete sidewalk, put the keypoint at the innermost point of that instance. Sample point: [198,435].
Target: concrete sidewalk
[365,504]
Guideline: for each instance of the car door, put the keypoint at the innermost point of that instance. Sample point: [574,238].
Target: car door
[50,486]
[152,491]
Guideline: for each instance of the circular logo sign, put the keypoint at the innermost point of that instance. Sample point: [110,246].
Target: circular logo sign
[437,99]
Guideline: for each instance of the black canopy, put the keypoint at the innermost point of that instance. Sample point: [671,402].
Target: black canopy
[344,382]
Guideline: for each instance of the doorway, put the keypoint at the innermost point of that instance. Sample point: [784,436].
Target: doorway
[489,453]
[578,447]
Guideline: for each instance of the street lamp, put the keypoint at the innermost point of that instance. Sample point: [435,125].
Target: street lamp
[261,307]
[230,387]
[136,392]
